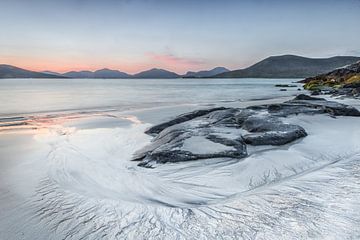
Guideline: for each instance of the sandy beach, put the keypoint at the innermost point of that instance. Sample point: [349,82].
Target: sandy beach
[70,176]
[179,120]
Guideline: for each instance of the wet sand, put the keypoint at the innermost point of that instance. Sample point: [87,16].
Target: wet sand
[69,176]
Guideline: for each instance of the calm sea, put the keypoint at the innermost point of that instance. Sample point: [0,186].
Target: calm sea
[22,96]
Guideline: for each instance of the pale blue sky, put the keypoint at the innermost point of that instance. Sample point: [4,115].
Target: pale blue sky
[184,35]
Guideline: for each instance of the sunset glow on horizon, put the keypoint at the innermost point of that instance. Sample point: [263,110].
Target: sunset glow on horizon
[150,60]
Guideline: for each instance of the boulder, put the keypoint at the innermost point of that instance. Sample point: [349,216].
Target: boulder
[352,85]
[306,97]
[285,85]
[356,92]
[226,132]
[275,137]
[180,119]
[315,92]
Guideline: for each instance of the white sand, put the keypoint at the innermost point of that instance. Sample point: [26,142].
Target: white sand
[73,178]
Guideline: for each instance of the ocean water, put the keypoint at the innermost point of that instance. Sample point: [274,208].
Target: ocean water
[66,171]
[18,96]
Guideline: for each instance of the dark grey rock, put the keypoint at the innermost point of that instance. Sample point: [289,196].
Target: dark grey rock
[343,92]
[275,137]
[315,92]
[182,118]
[303,104]
[352,85]
[226,132]
[269,130]
[287,109]
[285,85]
[356,92]
[333,108]
[168,146]
[306,97]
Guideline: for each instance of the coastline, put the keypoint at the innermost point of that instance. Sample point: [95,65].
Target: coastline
[86,158]
[28,120]
[179,120]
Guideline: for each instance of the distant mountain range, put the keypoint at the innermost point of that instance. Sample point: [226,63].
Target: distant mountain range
[107,73]
[103,73]
[156,73]
[8,71]
[285,66]
[289,66]
[206,73]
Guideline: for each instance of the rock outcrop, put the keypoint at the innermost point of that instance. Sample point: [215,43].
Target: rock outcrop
[226,132]
[342,81]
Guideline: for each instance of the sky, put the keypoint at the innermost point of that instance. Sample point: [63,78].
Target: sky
[187,35]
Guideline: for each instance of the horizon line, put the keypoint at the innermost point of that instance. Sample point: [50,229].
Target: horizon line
[160,68]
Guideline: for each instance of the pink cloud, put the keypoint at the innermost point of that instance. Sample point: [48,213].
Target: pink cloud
[175,63]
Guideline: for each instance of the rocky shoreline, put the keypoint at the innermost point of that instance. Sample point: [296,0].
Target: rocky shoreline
[227,132]
[340,82]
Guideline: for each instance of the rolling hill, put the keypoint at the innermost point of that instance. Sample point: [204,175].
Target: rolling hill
[8,71]
[102,73]
[285,66]
[156,73]
[206,73]
[289,66]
